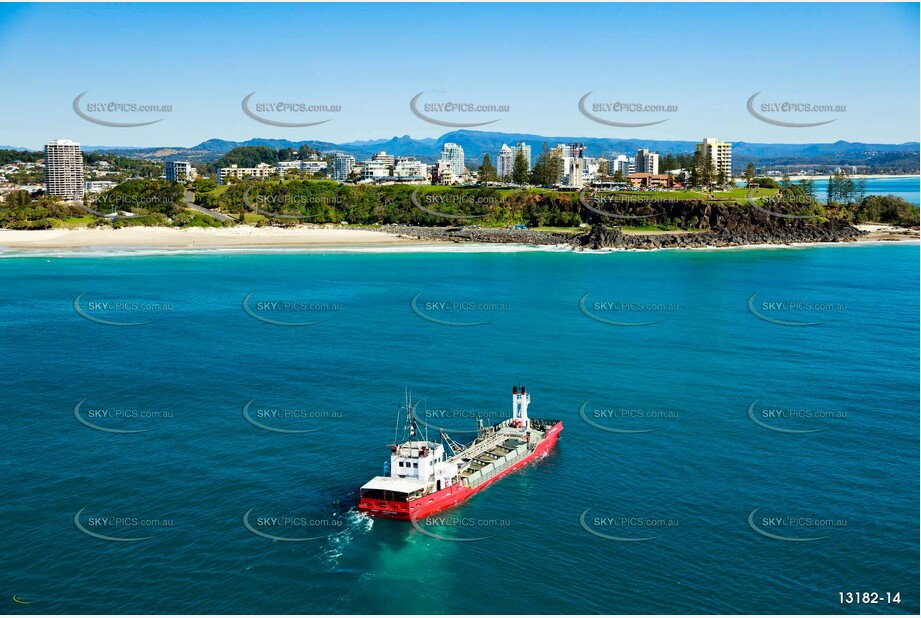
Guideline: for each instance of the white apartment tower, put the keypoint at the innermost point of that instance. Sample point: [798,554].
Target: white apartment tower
[342,166]
[624,165]
[719,152]
[64,169]
[647,162]
[505,162]
[455,154]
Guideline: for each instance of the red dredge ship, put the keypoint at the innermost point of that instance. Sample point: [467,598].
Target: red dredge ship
[421,478]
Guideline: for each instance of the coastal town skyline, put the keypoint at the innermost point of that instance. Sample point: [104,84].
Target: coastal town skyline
[545,89]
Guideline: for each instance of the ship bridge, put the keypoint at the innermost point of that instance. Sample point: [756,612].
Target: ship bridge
[392,488]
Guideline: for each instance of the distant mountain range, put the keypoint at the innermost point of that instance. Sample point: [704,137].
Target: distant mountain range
[476,143]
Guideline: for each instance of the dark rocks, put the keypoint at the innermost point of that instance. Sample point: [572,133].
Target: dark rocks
[719,225]
[486,235]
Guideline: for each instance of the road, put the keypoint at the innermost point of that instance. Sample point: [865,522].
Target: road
[189,200]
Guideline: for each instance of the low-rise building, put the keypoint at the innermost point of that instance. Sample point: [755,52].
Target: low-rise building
[374,170]
[312,166]
[408,168]
[98,186]
[443,174]
[646,180]
[179,171]
[283,167]
[260,172]
[383,157]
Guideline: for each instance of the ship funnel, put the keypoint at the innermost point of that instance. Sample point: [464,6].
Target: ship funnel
[523,400]
[520,405]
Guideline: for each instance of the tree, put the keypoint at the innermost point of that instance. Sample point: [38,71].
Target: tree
[603,167]
[706,170]
[540,173]
[555,168]
[487,170]
[696,165]
[520,171]
[619,176]
[749,173]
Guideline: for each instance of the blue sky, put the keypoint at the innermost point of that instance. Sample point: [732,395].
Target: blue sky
[538,59]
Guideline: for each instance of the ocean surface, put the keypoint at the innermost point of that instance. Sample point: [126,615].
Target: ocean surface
[905,187]
[741,431]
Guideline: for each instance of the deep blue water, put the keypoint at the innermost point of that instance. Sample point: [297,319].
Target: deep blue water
[905,187]
[692,483]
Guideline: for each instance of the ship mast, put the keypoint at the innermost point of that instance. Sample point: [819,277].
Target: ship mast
[408,416]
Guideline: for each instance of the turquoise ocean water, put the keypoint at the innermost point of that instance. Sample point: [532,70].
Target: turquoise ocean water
[906,187]
[741,430]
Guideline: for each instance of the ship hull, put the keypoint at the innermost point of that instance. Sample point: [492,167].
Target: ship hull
[453,495]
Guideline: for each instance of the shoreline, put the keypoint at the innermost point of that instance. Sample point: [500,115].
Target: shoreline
[855,176]
[152,241]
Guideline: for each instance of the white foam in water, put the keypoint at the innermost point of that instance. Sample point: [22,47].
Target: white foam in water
[153,251]
[356,523]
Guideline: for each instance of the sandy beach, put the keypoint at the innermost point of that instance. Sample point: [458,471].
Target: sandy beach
[193,238]
[81,241]
[888,232]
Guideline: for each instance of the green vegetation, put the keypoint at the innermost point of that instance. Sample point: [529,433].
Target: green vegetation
[21,212]
[487,171]
[129,167]
[158,202]
[548,170]
[26,156]
[251,156]
[143,197]
[886,209]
